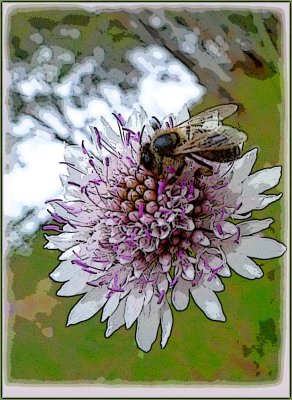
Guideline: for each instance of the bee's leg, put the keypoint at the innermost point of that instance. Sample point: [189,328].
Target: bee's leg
[160,168]
[178,173]
[205,169]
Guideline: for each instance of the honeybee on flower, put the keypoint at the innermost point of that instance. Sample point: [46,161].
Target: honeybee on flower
[134,241]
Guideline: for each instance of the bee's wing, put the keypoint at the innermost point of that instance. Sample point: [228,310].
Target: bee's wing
[221,138]
[208,119]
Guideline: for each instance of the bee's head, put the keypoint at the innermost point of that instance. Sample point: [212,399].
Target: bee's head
[147,158]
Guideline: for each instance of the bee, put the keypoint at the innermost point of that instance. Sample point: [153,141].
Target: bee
[202,138]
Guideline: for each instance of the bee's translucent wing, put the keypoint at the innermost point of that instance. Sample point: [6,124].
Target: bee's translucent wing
[207,120]
[221,138]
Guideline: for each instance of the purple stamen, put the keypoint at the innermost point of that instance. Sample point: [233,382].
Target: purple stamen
[161,186]
[98,138]
[220,186]
[180,253]
[106,160]
[174,282]
[171,121]
[222,213]
[67,163]
[83,148]
[238,207]
[131,162]
[238,235]
[171,169]
[96,181]
[147,233]
[100,260]
[129,131]
[183,214]
[165,210]
[161,296]
[127,138]
[84,266]
[73,183]
[198,278]
[167,125]
[125,256]
[57,218]
[120,119]
[141,208]
[219,229]
[183,183]
[214,273]
[49,201]
[157,121]
[52,228]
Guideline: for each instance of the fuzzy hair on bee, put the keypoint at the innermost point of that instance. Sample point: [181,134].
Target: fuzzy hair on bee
[202,138]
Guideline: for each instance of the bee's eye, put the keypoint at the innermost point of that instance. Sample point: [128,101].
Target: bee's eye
[166,142]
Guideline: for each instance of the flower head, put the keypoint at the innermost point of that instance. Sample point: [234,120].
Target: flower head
[133,244]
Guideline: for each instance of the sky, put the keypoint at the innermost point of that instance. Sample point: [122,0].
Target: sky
[36,139]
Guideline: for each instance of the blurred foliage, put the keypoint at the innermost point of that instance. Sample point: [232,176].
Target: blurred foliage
[246,347]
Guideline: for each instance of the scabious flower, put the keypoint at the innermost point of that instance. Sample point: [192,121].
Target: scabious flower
[133,244]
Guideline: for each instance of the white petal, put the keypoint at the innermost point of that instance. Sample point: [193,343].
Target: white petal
[242,167]
[183,115]
[208,303]
[64,272]
[69,253]
[259,247]
[73,287]
[61,242]
[254,226]
[147,327]
[148,294]
[163,284]
[134,305]
[225,272]
[263,180]
[109,132]
[256,202]
[116,320]
[244,266]
[111,306]
[166,324]
[88,306]
[180,295]
[214,284]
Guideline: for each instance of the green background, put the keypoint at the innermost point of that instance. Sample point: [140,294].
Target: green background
[246,348]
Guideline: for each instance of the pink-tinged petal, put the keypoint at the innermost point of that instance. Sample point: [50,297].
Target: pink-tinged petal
[188,272]
[134,305]
[244,266]
[228,229]
[116,320]
[254,226]
[208,302]
[166,324]
[147,327]
[180,295]
[260,247]
[88,306]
